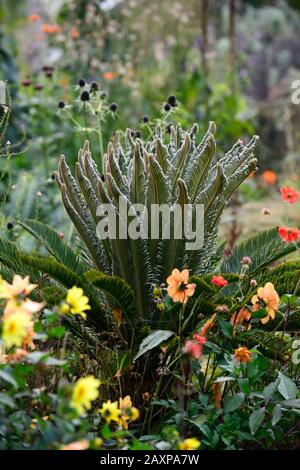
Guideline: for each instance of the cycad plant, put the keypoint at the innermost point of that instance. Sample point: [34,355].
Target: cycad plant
[167,170]
[118,275]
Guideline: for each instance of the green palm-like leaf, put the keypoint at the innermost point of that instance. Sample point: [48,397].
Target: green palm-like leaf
[117,292]
[264,249]
[53,243]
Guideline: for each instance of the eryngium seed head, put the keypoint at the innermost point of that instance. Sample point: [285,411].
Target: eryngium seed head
[94,87]
[172,101]
[85,96]
[113,107]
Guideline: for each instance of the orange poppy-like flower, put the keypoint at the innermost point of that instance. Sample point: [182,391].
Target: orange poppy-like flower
[179,289]
[109,76]
[289,195]
[269,177]
[76,445]
[208,326]
[219,281]
[74,33]
[238,317]
[266,297]
[243,355]
[34,17]
[193,349]
[217,391]
[288,234]
[51,29]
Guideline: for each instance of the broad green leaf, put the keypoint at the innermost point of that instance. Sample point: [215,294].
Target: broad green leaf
[226,328]
[7,377]
[286,387]
[7,400]
[277,412]
[256,419]
[269,390]
[289,299]
[292,403]
[153,340]
[233,402]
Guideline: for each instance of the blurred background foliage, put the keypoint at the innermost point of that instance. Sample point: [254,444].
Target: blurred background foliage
[229,61]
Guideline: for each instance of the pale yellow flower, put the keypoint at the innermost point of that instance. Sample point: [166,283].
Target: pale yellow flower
[76,302]
[15,329]
[190,444]
[84,392]
[127,411]
[110,411]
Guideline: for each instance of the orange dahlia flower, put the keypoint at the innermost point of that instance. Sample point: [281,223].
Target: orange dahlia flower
[178,288]
[243,355]
[266,297]
[238,317]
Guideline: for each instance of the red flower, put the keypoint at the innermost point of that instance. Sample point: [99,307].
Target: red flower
[288,234]
[199,338]
[289,195]
[219,281]
[193,349]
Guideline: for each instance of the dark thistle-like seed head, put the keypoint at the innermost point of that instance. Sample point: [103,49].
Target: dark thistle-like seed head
[26,82]
[61,104]
[103,95]
[167,107]
[9,226]
[94,87]
[47,68]
[145,119]
[172,101]
[38,86]
[85,96]
[81,82]
[113,107]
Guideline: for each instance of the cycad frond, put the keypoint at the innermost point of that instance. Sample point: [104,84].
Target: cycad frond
[159,172]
